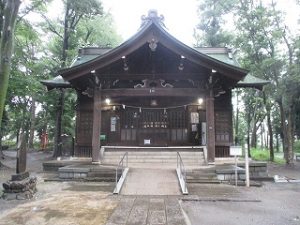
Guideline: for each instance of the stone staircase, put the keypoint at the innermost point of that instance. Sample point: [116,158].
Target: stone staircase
[96,173]
[204,175]
[155,158]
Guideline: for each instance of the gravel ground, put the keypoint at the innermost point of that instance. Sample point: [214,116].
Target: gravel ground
[92,203]
[273,204]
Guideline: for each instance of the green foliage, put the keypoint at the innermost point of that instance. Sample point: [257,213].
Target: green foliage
[264,155]
[8,15]
[212,18]
[260,154]
[297,146]
[36,59]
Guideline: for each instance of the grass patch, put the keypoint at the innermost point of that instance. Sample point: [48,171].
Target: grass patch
[264,155]
[279,160]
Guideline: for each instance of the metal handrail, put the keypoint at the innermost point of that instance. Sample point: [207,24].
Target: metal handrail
[182,171]
[121,166]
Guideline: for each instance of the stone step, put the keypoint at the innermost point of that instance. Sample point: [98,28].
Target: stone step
[104,175]
[165,158]
[158,155]
[84,179]
[203,181]
[152,156]
[156,161]
[154,153]
[153,149]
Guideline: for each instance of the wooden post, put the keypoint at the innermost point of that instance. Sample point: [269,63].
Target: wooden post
[210,123]
[96,126]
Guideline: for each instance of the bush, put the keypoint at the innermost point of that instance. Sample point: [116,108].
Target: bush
[260,154]
[264,155]
[9,143]
[297,146]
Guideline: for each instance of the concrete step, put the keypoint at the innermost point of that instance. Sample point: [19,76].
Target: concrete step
[85,179]
[203,176]
[153,153]
[154,157]
[104,175]
[203,181]
[115,161]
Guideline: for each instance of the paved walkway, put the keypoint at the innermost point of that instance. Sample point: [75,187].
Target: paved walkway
[147,211]
[147,181]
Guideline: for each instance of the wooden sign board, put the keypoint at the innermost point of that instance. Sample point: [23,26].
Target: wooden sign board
[236,150]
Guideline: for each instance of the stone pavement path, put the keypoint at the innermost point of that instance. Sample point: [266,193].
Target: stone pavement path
[151,181]
[147,211]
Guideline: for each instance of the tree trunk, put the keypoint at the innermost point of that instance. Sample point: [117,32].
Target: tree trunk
[66,35]
[57,138]
[277,142]
[271,141]
[269,127]
[262,130]
[59,113]
[236,139]
[248,135]
[32,123]
[283,130]
[254,136]
[1,152]
[290,139]
[9,16]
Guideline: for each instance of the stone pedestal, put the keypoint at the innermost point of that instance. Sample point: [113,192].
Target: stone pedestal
[20,187]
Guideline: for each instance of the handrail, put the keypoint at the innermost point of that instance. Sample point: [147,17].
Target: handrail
[182,172]
[121,166]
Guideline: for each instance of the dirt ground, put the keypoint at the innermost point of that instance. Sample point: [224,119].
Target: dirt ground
[92,203]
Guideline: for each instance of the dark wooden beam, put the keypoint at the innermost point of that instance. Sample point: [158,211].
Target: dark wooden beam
[210,124]
[166,76]
[138,92]
[96,125]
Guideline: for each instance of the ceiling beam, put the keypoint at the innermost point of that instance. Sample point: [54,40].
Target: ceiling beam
[139,92]
[165,76]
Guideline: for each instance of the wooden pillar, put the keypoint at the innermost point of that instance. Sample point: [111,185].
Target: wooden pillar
[210,124]
[96,125]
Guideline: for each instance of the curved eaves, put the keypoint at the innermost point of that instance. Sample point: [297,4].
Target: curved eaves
[154,30]
[132,44]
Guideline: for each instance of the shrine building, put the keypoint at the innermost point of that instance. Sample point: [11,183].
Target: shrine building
[154,91]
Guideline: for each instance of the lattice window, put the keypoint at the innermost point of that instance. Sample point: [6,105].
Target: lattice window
[86,124]
[223,129]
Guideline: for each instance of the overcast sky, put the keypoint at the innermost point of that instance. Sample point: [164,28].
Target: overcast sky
[180,15]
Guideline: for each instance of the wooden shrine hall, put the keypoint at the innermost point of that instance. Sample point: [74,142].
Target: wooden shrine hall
[153,90]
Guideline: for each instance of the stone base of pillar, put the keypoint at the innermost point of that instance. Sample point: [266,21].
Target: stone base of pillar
[20,187]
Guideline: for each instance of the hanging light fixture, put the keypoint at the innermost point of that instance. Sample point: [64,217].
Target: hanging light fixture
[200,101]
[107,101]
[125,66]
[153,102]
[181,66]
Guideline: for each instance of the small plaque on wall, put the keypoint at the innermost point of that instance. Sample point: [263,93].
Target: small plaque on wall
[113,123]
[194,127]
[194,117]
[147,141]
